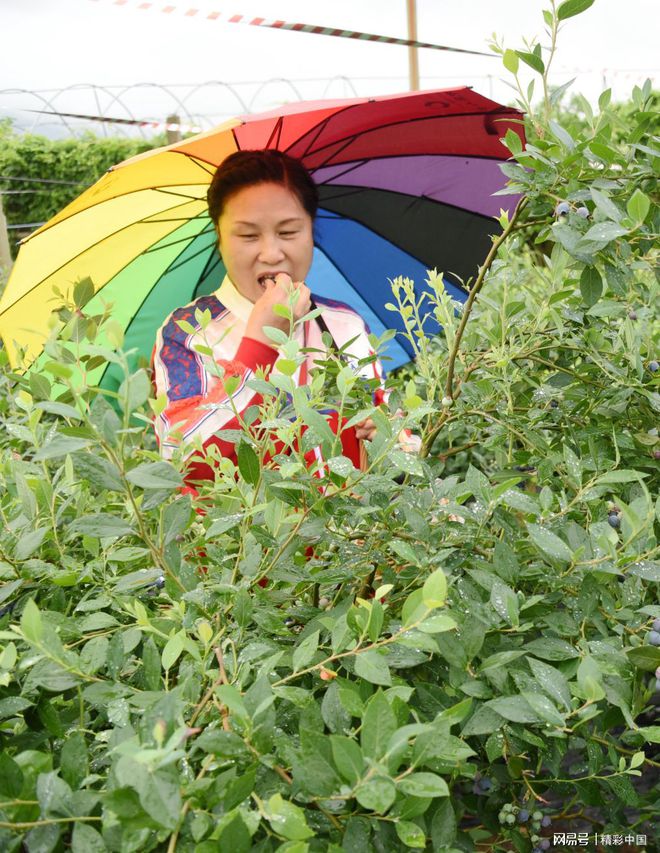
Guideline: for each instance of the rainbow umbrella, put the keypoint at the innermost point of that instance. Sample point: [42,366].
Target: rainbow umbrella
[406,185]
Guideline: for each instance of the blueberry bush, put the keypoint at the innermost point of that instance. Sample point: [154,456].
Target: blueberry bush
[450,651]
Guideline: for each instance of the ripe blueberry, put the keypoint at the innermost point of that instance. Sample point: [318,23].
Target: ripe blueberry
[656,454]
[554,404]
[545,844]
[656,627]
[523,816]
[632,315]
[546,821]
[562,208]
[654,366]
[613,520]
[583,212]
[654,638]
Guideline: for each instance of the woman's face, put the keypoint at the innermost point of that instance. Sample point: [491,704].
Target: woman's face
[264,230]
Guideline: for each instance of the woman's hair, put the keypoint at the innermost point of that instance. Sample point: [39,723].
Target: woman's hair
[246,168]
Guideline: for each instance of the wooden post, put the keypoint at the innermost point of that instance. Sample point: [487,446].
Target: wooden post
[5,253]
[173,135]
[413,64]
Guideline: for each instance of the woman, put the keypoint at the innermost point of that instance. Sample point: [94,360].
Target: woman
[263,205]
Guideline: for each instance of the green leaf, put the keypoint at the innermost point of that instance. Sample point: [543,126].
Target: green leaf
[551,681]
[232,833]
[135,390]
[434,591]
[514,708]
[484,721]
[414,608]
[544,708]
[74,762]
[86,839]
[305,651]
[223,743]
[348,758]
[318,424]
[573,7]
[54,795]
[31,622]
[100,525]
[11,777]
[590,679]
[424,785]
[155,475]
[410,834]
[649,570]
[605,204]
[510,61]
[505,602]
[552,648]
[52,677]
[158,790]
[562,135]
[443,825]
[532,60]
[372,666]
[605,232]
[638,206]
[61,445]
[231,697]
[437,623]
[651,734]
[549,543]
[248,463]
[513,142]
[29,542]
[623,475]
[378,726]
[377,794]
[287,819]
[83,291]
[591,286]
[645,657]
[98,471]
[499,659]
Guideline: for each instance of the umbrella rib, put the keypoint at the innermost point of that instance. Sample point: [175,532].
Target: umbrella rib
[276,132]
[213,261]
[350,167]
[157,248]
[319,128]
[178,263]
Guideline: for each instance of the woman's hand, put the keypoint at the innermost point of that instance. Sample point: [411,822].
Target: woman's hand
[365,430]
[277,292]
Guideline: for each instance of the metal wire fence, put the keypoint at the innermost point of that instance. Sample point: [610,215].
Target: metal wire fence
[141,109]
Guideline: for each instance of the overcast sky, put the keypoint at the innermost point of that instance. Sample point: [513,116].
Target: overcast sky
[52,44]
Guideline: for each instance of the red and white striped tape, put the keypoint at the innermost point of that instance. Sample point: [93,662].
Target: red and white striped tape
[192,12]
